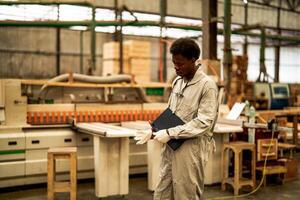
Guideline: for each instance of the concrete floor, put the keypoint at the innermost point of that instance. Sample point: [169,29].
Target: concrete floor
[138,191]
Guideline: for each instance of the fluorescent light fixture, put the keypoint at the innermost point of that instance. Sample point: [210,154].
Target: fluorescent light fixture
[74,13]
[78,28]
[105,14]
[178,33]
[144,31]
[105,29]
[28,12]
[184,21]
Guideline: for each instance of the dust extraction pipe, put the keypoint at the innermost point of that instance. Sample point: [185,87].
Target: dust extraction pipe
[119,78]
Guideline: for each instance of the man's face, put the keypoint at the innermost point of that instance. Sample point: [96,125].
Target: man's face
[183,66]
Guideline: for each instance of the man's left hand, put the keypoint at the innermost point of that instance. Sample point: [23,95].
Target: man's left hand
[162,136]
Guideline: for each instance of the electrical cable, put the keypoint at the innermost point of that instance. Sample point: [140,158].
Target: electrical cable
[262,179]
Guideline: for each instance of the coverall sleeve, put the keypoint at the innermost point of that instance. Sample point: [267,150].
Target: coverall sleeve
[205,119]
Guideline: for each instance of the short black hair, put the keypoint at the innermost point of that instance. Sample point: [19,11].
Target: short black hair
[186,47]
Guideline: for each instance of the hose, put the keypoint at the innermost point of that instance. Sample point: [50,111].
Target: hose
[119,78]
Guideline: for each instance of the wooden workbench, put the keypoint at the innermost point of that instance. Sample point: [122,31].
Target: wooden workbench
[293,112]
[111,157]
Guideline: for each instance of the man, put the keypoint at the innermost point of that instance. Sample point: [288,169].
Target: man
[194,100]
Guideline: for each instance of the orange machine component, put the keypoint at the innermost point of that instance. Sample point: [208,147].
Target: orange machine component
[130,115]
[109,116]
[86,117]
[96,116]
[29,117]
[53,120]
[157,113]
[59,119]
[80,117]
[151,115]
[105,116]
[135,115]
[92,116]
[47,117]
[35,118]
[117,116]
[71,115]
[145,115]
[74,115]
[41,118]
[121,115]
[101,114]
[114,116]
[64,117]
[126,114]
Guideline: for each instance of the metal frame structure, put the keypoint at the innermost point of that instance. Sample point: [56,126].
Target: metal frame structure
[119,22]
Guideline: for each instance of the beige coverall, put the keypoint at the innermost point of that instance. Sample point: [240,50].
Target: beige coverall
[182,171]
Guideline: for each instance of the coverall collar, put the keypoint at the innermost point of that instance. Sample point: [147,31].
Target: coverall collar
[197,77]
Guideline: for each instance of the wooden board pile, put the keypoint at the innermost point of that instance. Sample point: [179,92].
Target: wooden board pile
[212,67]
[136,59]
[239,74]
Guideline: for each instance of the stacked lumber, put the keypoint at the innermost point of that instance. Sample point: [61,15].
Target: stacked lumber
[136,59]
[211,67]
[111,58]
[238,84]
[239,74]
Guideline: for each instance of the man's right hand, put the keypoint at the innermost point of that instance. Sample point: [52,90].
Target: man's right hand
[142,136]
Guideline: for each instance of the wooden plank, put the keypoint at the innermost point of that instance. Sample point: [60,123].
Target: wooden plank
[124,166]
[138,48]
[62,150]
[111,50]
[93,85]
[111,166]
[61,186]
[113,161]
[50,177]
[291,111]
[101,168]
[273,169]
[73,176]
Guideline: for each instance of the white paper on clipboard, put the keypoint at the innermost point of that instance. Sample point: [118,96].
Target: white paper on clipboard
[236,111]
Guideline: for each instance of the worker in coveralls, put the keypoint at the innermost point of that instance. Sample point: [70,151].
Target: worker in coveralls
[194,100]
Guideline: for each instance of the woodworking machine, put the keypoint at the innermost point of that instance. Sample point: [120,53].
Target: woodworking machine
[35,115]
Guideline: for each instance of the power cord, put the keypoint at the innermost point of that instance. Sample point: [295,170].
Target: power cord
[263,175]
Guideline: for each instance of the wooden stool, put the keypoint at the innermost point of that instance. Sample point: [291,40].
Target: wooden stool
[62,186]
[286,146]
[269,170]
[237,181]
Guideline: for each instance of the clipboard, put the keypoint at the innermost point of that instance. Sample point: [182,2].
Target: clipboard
[167,119]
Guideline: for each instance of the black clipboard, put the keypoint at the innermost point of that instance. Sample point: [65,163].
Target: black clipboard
[167,119]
